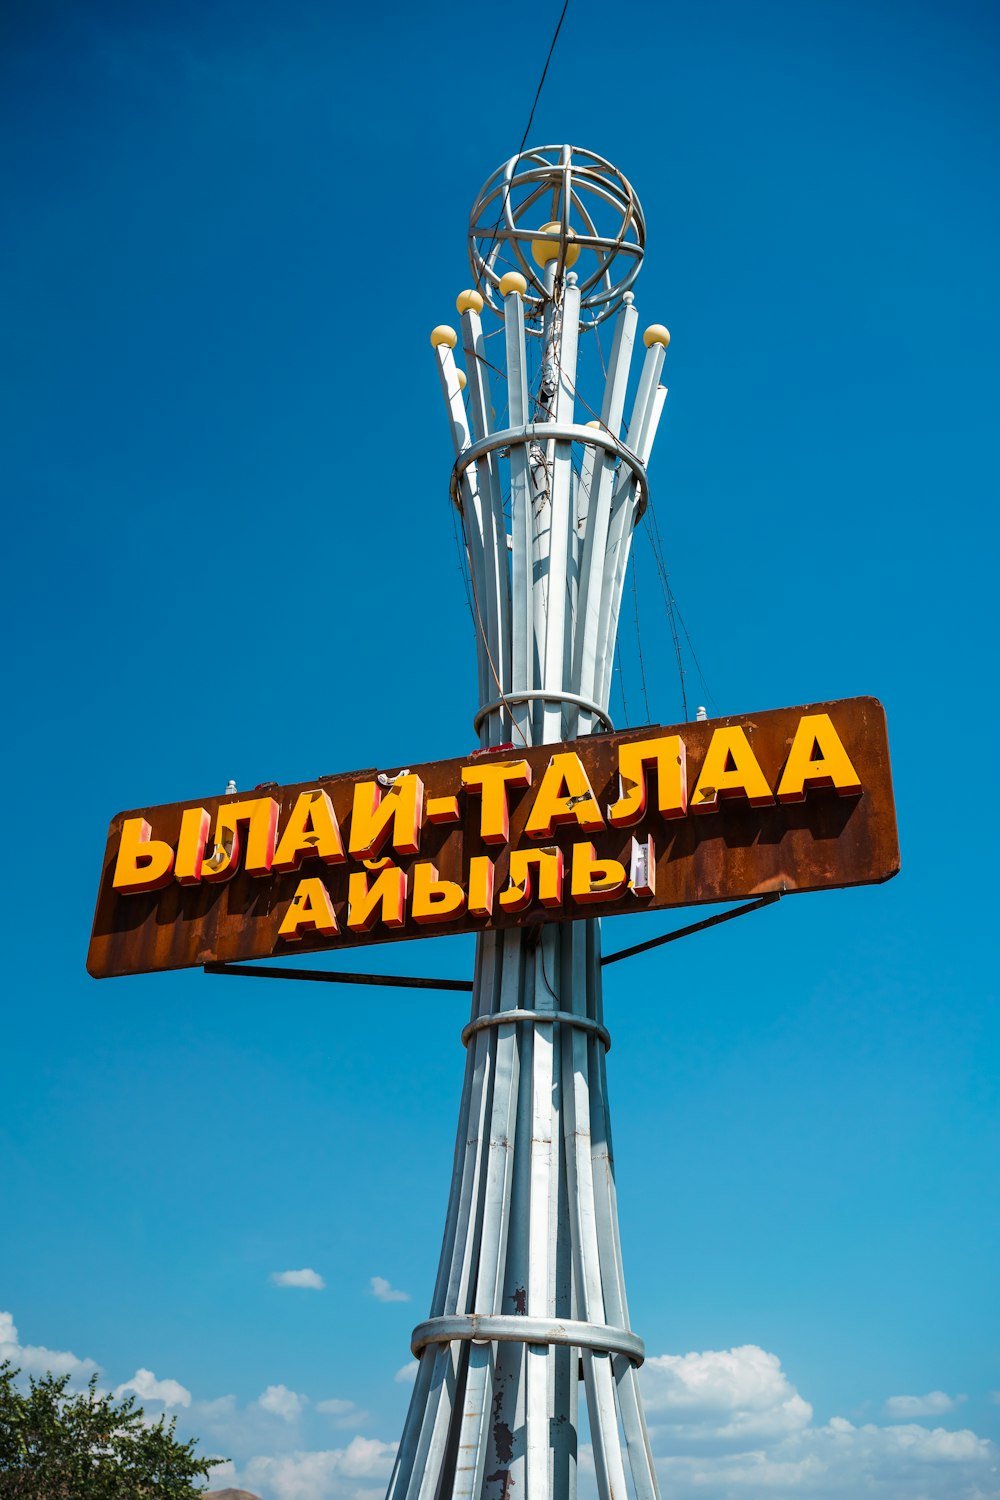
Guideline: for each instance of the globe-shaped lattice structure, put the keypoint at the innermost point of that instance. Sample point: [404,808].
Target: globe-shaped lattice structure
[565,204]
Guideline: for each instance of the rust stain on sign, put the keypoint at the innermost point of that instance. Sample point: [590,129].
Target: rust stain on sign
[796,799]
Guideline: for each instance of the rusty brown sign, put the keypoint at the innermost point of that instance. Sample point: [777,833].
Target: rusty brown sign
[795,799]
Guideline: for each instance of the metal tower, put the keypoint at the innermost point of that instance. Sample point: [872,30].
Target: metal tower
[530,1294]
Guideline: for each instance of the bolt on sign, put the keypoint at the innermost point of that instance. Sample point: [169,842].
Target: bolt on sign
[795,799]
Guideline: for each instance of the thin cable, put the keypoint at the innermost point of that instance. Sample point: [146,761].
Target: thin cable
[708,691]
[638,637]
[493,239]
[672,606]
[656,543]
[668,600]
[462,568]
[484,361]
[489,657]
[600,352]
[540,950]
[621,683]
[520,149]
[577,395]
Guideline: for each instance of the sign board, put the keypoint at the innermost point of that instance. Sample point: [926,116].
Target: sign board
[795,799]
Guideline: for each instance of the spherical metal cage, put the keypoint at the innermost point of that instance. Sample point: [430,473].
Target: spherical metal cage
[550,208]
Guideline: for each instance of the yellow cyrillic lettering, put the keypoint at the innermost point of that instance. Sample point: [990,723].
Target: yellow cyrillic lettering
[401,809]
[191,841]
[805,768]
[481,877]
[668,754]
[564,796]
[595,879]
[261,813]
[312,829]
[310,910]
[434,900]
[730,770]
[491,780]
[143,863]
[548,864]
[383,901]
[442,810]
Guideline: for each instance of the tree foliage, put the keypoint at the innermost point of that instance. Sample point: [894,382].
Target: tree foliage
[56,1444]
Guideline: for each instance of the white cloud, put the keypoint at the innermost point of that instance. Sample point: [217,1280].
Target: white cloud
[282,1402]
[146,1386]
[225,1425]
[730,1423]
[384,1291]
[407,1374]
[335,1406]
[330,1474]
[827,1463]
[304,1278]
[344,1413]
[214,1412]
[35,1359]
[736,1395]
[934,1404]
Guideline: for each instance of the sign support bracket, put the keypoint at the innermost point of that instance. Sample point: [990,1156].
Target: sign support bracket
[681,932]
[421,982]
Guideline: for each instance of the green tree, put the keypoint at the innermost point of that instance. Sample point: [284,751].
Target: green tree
[59,1445]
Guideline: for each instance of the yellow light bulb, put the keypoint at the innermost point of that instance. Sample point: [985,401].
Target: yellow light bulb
[656,334]
[542,251]
[513,281]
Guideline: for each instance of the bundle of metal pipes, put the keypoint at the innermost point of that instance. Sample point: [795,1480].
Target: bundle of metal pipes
[530,1294]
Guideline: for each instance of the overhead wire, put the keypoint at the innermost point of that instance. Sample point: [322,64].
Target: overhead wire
[503,374]
[520,149]
[656,543]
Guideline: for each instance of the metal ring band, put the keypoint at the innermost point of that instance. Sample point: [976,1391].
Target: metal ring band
[482,1329]
[541,432]
[544,1017]
[585,703]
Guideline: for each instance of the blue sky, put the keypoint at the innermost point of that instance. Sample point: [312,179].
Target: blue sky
[229,230]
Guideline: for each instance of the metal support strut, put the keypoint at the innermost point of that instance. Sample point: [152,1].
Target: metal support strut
[422,982]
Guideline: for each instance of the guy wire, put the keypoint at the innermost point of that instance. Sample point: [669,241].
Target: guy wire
[621,683]
[638,637]
[673,608]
